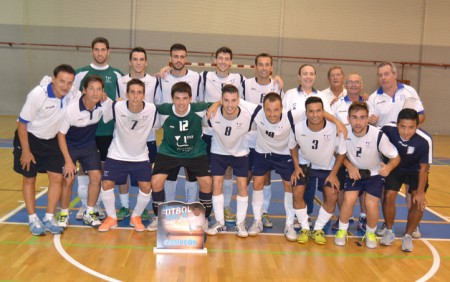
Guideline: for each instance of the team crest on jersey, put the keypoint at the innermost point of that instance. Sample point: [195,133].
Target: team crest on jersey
[181,142]
[410,150]
[239,124]
[108,79]
[326,136]
[368,143]
[381,102]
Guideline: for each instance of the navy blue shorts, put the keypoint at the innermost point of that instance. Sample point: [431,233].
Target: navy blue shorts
[397,177]
[118,171]
[251,155]
[152,151]
[372,185]
[317,178]
[88,157]
[219,164]
[46,153]
[282,164]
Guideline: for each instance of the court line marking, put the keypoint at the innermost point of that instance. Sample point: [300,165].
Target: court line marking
[66,256]
[436,263]
[21,206]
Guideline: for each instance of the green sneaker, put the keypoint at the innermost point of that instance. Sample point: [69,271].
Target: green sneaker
[303,236]
[145,216]
[266,220]
[318,237]
[341,238]
[63,219]
[123,212]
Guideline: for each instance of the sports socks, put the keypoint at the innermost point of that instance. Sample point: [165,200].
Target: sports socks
[257,204]
[218,202]
[289,208]
[142,202]
[302,217]
[191,190]
[170,188]
[267,197]
[158,198]
[83,185]
[109,201]
[227,191]
[206,200]
[242,206]
[322,219]
[125,200]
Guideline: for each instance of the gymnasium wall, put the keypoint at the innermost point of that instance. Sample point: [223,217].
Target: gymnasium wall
[402,30]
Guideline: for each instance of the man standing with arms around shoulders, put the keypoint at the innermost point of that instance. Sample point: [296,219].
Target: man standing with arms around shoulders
[415,148]
[104,134]
[365,171]
[36,147]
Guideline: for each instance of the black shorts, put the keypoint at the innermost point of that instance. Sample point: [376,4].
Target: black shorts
[208,141]
[196,167]
[397,177]
[103,143]
[88,157]
[46,153]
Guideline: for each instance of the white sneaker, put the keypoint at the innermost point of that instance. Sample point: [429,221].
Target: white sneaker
[153,226]
[388,238]
[216,228]
[81,212]
[241,230]
[407,245]
[380,231]
[256,228]
[416,233]
[63,220]
[290,233]
[296,224]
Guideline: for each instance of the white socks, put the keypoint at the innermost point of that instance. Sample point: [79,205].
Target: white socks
[257,204]
[217,202]
[302,217]
[289,208]
[242,205]
[142,202]
[125,200]
[322,219]
[109,200]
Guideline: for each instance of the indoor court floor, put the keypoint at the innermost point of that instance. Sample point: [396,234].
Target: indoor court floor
[84,254]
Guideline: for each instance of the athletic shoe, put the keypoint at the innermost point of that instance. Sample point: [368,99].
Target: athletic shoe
[407,245]
[335,225]
[153,226]
[145,216]
[52,226]
[318,237]
[228,215]
[81,212]
[99,212]
[380,232]
[416,233]
[63,220]
[91,219]
[290,233]
[241,230]
[388,238]
[362,222]
[122,213]
[108,224]
[297,224]
[136,222]
[256,228]
[216,228]
[351,220]
[266,221]
[341,238]
[371,240]
[36,227]
[303,236]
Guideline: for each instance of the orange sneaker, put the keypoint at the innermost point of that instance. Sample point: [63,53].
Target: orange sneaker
[136,222]
[108,224]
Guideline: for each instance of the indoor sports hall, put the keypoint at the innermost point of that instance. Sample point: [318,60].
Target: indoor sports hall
[36,36]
